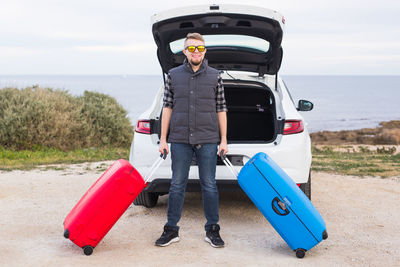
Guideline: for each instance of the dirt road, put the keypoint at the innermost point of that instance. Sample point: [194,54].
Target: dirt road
[362,217]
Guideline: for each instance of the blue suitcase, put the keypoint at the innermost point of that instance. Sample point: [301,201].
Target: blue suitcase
[281,202]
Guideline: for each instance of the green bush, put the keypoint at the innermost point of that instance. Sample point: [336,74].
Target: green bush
[43,117]
[106,120]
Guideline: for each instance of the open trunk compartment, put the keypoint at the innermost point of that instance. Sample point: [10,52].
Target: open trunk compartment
[251,112]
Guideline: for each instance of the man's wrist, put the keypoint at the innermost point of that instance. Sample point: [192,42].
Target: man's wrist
[223,139]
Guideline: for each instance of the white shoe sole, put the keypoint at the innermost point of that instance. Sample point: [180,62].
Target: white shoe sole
[209,241]
[173,240]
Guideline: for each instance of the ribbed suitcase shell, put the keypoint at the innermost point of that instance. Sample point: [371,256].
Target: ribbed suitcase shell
[103,204]
[266,183]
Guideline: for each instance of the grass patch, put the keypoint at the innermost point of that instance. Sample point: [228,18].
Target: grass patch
[361,162]
[29,159]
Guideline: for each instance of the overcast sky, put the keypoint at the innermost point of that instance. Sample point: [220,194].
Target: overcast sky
[342,37]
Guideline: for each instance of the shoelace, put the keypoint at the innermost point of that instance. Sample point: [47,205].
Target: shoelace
[215,234]
[166,232]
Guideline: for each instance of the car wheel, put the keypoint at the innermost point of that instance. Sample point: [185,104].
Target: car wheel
[306,188]
[147,199]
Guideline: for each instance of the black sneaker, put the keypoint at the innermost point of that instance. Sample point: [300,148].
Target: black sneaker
[170,235]
[213,237]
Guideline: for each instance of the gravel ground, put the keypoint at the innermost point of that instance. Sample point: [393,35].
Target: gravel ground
[362,217]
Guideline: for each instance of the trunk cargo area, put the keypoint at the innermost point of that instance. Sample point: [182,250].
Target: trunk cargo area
[251,112]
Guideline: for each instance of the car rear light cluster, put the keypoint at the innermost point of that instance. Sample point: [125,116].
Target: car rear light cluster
[143,126]
[293,127]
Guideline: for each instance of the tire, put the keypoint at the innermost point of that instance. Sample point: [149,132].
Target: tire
[147,199]
[306,188]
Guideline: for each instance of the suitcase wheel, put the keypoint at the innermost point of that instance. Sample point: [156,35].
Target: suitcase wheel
[325,235]
[300,253]
[66,233]
[88,250]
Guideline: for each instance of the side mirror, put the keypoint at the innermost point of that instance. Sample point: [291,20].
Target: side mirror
[305,105]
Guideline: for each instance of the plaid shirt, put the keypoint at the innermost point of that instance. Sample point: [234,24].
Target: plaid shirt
[219,96]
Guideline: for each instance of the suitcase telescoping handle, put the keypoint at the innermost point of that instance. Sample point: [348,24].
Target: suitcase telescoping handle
[155,166]
[228,164]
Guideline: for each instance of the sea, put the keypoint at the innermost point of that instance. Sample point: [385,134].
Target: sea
[340,102]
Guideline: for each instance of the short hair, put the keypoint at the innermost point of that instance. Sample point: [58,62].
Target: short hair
[195,36]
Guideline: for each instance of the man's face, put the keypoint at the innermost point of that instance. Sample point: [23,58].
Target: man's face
[195,58]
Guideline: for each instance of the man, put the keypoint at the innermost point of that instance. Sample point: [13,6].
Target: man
[194,111]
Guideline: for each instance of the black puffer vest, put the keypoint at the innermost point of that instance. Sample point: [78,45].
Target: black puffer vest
[194,118]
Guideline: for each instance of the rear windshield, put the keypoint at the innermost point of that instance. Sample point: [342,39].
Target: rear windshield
[226,40]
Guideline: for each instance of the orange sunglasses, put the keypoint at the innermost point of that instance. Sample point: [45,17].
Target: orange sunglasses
[192,48]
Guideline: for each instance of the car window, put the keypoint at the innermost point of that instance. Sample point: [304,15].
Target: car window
[227,40]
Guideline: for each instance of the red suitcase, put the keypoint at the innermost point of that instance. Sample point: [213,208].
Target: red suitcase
[104,203]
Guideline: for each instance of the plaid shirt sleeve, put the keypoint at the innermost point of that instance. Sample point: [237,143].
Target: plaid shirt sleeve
[168,101]
[220,96]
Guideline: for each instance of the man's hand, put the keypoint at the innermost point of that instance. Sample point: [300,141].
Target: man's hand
[223,146]
[165,119]
[163,145]
[222,130]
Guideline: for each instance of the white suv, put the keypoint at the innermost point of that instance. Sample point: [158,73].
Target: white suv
[244,43]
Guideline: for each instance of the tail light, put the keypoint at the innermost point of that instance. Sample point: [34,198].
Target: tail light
[143,126]
[293,127]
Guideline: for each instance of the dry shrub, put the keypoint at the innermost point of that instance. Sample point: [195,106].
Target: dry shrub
[42,117]
[390,124]
[388,136]
[386,133]
[320,137]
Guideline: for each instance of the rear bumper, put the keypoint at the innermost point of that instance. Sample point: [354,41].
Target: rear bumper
[161,186]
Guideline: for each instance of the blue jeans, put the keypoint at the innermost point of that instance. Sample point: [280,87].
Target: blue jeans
[181,156]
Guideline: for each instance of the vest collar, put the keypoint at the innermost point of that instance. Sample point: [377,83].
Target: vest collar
[202,68]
